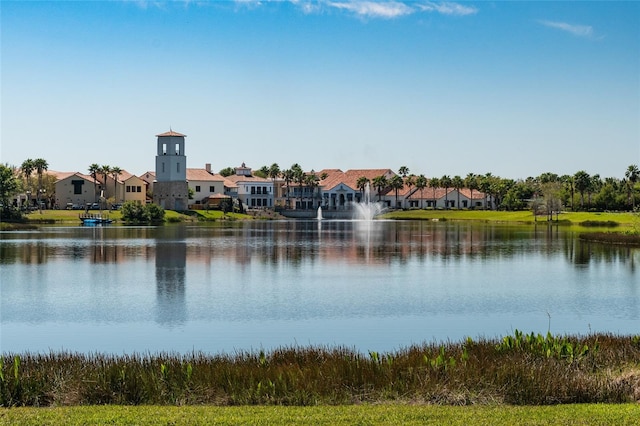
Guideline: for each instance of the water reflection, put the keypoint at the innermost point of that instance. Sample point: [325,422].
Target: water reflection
[371,285]
[296,241]
[171,272]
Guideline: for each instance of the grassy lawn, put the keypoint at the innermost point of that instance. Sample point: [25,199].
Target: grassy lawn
[387,414]
[575,218]
[623,219]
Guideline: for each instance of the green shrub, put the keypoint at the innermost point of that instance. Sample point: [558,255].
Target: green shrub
[133,212]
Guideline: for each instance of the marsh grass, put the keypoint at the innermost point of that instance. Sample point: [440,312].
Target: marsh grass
[519,369]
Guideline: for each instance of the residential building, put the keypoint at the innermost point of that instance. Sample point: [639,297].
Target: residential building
[253,191]
[341,188]
[75,190]
[208,188]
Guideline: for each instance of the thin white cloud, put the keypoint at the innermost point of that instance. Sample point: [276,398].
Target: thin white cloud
[385,9]
[576,30]
[447,8]
[373,9]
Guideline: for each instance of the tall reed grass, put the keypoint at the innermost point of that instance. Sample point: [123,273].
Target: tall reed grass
[518,369]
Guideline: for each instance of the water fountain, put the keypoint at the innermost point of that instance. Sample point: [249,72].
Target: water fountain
[319,215]
[366,210]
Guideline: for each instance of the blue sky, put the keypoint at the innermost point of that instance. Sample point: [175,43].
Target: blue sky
[512,88]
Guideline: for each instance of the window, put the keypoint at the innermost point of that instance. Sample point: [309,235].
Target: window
[77,186]
[253,189]
[197,188]
[178,167]
[128,188]
[138,189]
[212,189]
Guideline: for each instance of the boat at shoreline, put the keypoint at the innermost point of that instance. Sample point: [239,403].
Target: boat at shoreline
[94,219]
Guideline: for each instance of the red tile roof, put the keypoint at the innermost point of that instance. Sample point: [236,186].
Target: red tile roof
[202,175]
[170,133]
[350,178]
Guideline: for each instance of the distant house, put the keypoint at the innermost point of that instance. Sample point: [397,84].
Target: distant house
[441,198]
[133,189]
[341,188]
[208,188]
[75,190]
[253,191]
[127,187]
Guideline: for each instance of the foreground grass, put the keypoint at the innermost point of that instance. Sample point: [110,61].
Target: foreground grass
[516,370]
[583,414]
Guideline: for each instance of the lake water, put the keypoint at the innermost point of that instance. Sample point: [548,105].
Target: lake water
[379,285]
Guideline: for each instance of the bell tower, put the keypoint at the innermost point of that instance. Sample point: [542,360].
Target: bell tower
[170,190]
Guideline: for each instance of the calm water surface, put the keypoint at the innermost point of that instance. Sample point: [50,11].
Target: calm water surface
[369,286]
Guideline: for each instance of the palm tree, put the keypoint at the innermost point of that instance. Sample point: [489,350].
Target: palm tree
[380,183]
[485,186]
[581,180]
[274,173]
[115,172]
[94,169]
[27,169]
[40,164]
[287,175]
[298,177]
[409,182]
[594,186]
[361,183]
[434,183]
[421,184]
[403,171]
[457,183]
[104,170]
[633,175]
[396,183]
[312,180]
[471,182]
[445,182]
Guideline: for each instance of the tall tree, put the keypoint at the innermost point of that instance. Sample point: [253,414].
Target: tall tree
[632,175]
[288,177]
[94,169]
[9,186]
[396,183]
[115,173]
[380,183]
[104,171]
[581,180]
[458,184]
[298,177]
[361,183]
[274,173]
[471,182]
[421,184]
[409,182]
[403,171]
[434,183]
[485,186]
[41,165]
[445,182]
[27,169]
[312,181]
